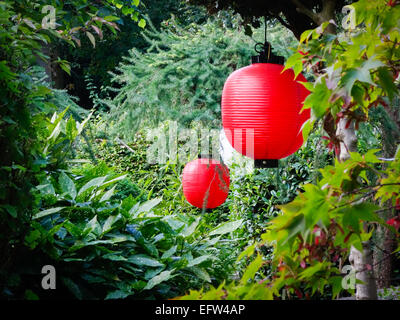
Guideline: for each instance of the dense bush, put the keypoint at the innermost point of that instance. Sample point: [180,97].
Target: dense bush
[180,77]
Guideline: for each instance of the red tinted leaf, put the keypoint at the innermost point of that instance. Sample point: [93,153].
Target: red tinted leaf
[395,222]
[298,293]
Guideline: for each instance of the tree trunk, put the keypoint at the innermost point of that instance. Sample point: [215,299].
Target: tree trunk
[385,239]
[359,260]
[386,243]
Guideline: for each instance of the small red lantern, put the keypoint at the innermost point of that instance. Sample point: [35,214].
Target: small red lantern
[261,110]
[205,183]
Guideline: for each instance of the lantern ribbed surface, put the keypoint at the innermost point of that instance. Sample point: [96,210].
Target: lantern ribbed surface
[261,103]
[205,183]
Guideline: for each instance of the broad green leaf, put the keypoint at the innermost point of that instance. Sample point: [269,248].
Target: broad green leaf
[227,227]
[96,182]
[117,294]
[201,273]
[163,276]
[199,260]
[92,226]
[144,260]
[47,212]
[189,230]
[107,226]
[112,181]
[108,194]
[67,185]
[169,252]
[148,205]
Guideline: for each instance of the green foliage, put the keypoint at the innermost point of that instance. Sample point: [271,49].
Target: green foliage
[91,66]
[106,245]
[312,236]
[359,65]
[122,248]
[25,103]
[180,76]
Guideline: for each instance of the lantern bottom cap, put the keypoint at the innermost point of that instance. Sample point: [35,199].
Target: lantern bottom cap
[266,163]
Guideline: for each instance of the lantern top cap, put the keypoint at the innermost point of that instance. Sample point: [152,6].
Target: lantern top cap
[266,55]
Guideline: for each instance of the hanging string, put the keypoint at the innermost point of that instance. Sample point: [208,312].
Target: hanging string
[265,37]
[265,29]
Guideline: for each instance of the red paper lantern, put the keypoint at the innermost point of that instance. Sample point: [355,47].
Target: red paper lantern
[261,111]
[205,183]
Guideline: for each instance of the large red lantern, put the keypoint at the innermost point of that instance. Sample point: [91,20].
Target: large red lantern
[205,183]
[261,110]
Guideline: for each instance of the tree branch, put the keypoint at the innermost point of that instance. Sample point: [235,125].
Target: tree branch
[283,22]
[303,9]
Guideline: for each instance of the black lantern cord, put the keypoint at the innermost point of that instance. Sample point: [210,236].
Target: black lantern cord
[265,29]
[264,48]
[265,54]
